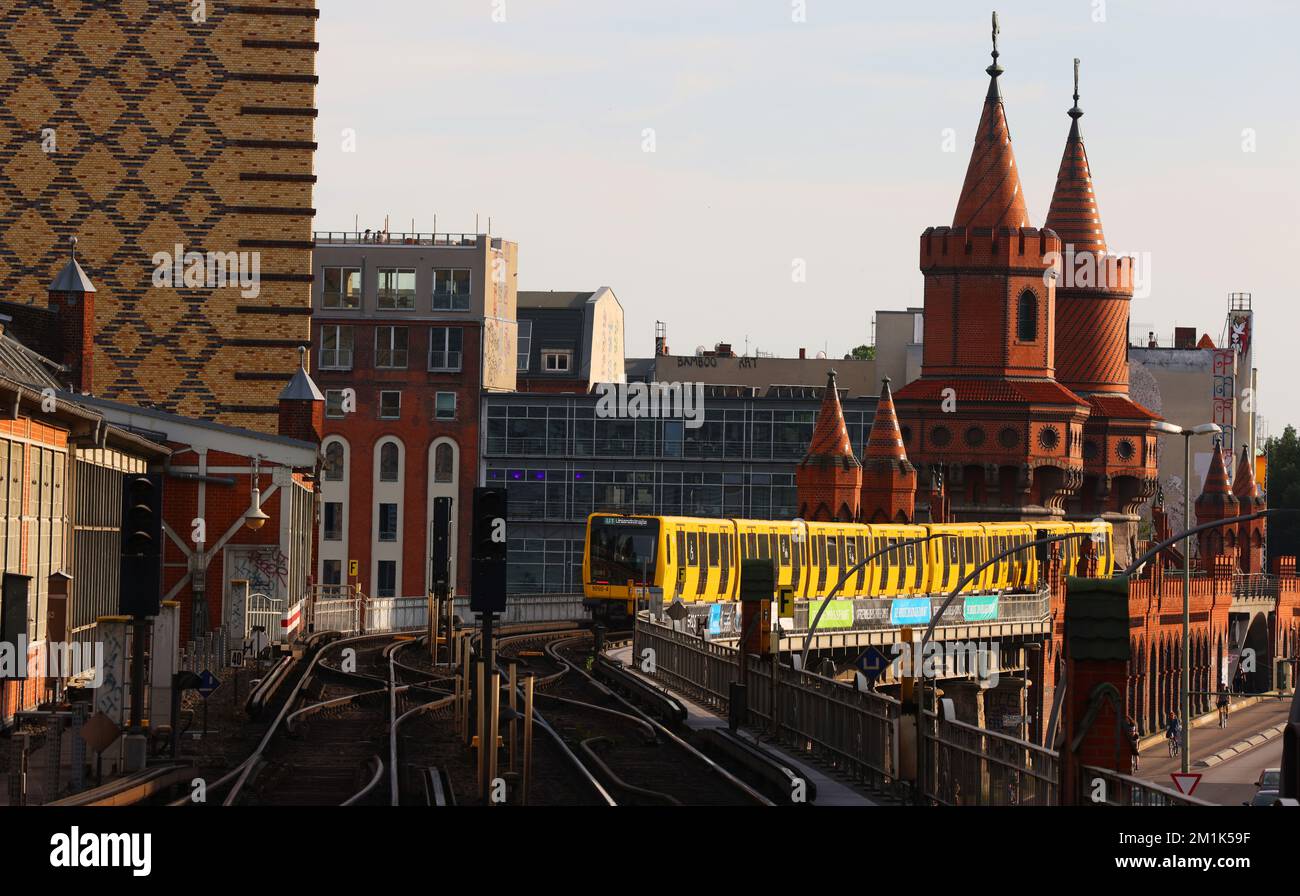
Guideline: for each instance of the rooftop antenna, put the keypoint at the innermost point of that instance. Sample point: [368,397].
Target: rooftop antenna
[476,222]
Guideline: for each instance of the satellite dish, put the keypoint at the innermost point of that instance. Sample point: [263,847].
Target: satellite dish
[699,350]
[821,356]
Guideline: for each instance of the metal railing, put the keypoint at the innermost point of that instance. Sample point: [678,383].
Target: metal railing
[401,239]
[853,731]
[1125,790]
[342,609]
[1255,586]
[965,765]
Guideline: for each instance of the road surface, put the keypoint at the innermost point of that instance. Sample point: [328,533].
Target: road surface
[1233,782]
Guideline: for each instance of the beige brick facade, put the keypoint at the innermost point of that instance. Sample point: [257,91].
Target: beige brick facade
[134,128]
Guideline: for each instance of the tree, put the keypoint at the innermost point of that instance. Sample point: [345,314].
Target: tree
[864,353]
[1283,492]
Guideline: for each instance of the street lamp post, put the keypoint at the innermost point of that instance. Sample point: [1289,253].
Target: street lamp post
[1185,704]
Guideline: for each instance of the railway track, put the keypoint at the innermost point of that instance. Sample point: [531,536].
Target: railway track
[635,759]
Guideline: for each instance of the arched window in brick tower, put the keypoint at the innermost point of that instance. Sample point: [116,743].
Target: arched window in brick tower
[442,462]
[388,462]
[1027,317]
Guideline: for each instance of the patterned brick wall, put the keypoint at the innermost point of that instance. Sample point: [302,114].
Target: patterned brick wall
[136,128]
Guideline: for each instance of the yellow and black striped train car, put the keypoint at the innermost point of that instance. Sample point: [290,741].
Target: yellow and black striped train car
[698,559]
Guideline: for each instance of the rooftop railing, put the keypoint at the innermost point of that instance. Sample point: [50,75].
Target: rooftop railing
[347,237]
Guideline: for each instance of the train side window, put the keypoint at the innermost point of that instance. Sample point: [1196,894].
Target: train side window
[763,546]
[885,557]
[714,550]
[832,551]
[850,552]
[784,543]
[691,557]
[751,541]
[681,548]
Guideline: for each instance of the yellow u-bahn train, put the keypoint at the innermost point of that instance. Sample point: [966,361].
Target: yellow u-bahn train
[698,559]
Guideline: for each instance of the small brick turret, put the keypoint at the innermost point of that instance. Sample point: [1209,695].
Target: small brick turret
[888,478]
[828,480]
[1217,502]
[72,299]
[302,406]
[1250,534]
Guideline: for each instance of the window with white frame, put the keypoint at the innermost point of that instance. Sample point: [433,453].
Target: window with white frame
[390,347]
[445,345]
[525,342]
[332,574]
[388,522]
[335,347]
[389,462]
[333,466]
[334,404]
[341,287]
[557,361]
[390,405]
[451,289]
[333,520]
[445,406]
[387,586]
[396,289]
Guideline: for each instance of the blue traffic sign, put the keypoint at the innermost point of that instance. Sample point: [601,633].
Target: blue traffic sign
[207,684]
[873,664]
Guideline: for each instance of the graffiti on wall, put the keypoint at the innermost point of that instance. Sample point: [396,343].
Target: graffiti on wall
[265,566]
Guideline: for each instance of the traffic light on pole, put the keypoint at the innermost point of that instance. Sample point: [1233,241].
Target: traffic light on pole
[140,579]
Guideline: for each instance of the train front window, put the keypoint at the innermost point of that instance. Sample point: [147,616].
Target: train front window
[623,548]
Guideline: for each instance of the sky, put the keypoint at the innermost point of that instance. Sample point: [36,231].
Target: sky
[696,155]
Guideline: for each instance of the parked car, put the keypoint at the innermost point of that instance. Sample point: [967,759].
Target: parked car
[1270,779]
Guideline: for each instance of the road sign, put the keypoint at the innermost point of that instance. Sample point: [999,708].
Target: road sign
[1011,720]
[99,732]
[1186,783]
[352,568]
[207,684]
[786,598]
[677,611]
[873,664]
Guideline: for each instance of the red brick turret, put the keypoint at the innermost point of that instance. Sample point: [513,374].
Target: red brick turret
[986,411]
[1216,502]
[829,478]
[72,299]
[1093,294]
[888,478]
[1250,534]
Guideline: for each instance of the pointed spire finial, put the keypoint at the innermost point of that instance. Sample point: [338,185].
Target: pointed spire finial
[1075,111]
[73,244]
[994,70]
[302,356]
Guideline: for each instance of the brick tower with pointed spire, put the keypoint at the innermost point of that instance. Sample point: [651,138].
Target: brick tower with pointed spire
[1094,290]
[987,410]
[828,481]
[1217,502]
[1250,534]
[888,477]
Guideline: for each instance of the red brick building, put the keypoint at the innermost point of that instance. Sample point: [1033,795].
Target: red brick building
[410,330]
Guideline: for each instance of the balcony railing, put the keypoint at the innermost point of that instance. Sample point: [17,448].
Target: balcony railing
[1254,586]
[345,237]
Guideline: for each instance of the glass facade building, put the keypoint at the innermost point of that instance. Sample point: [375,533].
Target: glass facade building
[560,461]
